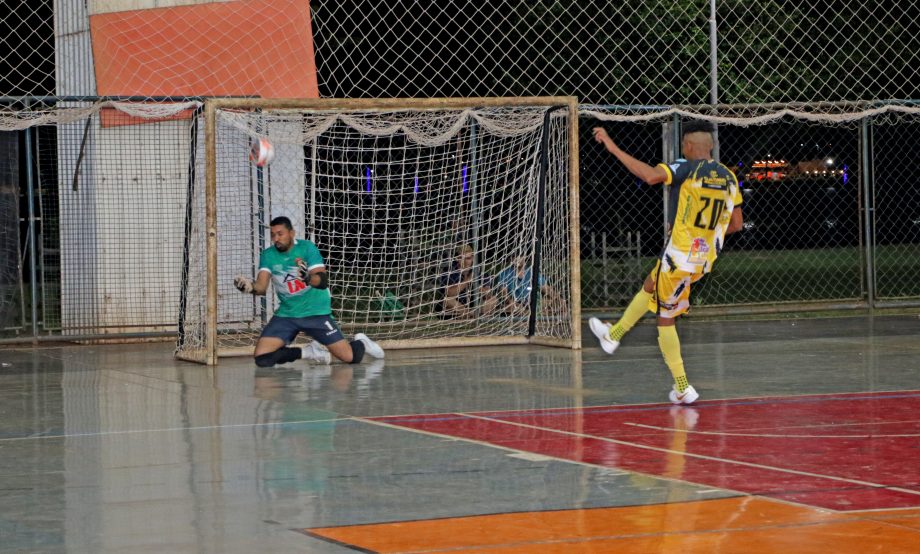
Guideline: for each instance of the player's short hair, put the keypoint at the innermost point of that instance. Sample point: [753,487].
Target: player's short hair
[697,126]
[282,220]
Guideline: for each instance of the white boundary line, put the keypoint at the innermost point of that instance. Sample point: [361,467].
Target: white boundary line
[735,493]
[775,435]
[703,404]
[704,457]
[37,436]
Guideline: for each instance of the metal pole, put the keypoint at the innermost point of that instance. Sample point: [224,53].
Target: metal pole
[189,214]
[33,250]
[210,202]
[538,238]
[312,232]
[868,209]
[675,155]
[259,240]
[713,72]
[474,210]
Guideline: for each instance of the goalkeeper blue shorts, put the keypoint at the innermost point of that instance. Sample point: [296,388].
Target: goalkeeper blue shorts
[321,328]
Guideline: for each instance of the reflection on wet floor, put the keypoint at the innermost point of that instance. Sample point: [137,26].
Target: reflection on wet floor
[121,448]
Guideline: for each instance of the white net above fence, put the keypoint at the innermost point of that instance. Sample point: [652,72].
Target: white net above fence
[426,131]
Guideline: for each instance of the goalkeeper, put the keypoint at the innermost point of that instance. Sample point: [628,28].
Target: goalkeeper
[704,205]
[298,275]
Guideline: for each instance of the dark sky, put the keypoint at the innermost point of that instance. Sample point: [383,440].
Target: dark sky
[26,43]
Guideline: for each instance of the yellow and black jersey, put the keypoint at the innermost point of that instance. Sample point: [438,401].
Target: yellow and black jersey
[701,197]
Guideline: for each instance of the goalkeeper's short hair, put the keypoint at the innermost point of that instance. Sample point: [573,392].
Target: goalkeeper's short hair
[697,126]
[282,220]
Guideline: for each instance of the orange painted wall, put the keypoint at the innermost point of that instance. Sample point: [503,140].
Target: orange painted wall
[248,47]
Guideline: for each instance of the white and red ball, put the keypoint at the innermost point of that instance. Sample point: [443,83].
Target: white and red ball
[262,152]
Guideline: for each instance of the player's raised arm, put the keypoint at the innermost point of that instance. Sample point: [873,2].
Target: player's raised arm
[649,174]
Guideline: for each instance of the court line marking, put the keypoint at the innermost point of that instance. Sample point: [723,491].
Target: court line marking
[478,442]
[576,540]
[768,435]
[702,487]
[703,456]
[36,436]
[813,425]
[648,406]
[871,510]
[743,498]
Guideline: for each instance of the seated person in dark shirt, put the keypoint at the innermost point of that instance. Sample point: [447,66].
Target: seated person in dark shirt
[459,288]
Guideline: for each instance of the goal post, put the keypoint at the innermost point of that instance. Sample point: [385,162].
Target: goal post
[403,197]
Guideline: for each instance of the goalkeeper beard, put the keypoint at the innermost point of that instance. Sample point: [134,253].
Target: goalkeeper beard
[283,246]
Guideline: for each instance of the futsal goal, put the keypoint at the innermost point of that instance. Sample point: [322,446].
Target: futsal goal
[399,195]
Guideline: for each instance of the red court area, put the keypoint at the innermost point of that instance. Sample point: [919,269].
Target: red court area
[843,452]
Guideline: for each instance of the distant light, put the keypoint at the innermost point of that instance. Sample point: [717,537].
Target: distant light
[829,161]
[845,173]
[466,184]
[367,174]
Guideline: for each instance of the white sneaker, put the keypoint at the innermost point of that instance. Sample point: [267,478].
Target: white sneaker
[370,346]
[317,353]
[601,330]
[689,396]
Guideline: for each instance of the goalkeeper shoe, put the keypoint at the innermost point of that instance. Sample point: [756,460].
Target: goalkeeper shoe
[370,346]
[601,330]
[316,353]
[689,396]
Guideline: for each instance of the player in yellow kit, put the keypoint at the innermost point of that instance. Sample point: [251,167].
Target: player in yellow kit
[704,205]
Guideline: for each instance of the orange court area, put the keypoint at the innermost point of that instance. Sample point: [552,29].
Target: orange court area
[741,524]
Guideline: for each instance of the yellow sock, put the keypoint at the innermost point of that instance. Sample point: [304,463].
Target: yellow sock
[670,348]
[633,314]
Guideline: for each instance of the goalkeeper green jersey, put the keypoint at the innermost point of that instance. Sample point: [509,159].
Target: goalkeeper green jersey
[295,297]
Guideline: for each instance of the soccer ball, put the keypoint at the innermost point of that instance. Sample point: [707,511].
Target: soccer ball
[262,152]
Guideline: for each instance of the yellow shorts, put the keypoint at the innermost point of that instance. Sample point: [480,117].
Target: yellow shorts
[674,288]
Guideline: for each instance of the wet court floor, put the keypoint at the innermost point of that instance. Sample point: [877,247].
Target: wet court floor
[807,439]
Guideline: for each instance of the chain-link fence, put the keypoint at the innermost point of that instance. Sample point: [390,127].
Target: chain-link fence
[105,200]
[831,216]
[807,190]
[637,53]
[831,212]
[895,216]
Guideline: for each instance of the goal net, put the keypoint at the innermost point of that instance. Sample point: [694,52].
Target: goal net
[406,199]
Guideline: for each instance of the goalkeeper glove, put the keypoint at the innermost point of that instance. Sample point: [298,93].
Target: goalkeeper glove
[243,284]
[303,273]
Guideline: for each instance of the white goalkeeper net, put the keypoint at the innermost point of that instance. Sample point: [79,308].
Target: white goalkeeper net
[402,204]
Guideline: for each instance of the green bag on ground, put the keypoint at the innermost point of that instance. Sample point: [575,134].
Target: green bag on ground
[389,307]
